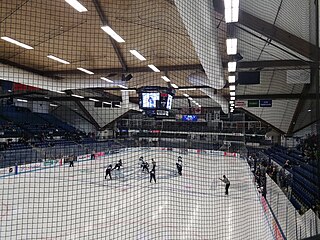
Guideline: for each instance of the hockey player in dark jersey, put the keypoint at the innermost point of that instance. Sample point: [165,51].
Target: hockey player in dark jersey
[108,172]
[153,175]
[154,164]
[118,165]
[179,167]
[145,166]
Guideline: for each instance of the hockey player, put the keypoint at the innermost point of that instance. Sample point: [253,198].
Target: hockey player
[108,171]
[153,175]
[179,167]
[72,159]
[154,164]
[118,165]
[145,166]
[227,182]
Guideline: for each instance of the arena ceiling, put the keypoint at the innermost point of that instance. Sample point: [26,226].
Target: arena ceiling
[274,38]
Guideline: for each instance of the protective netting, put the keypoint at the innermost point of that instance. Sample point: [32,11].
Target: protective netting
[93,147]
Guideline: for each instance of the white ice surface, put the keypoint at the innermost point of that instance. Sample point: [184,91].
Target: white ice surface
[77,203]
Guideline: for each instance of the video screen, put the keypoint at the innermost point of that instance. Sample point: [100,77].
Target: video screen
[189,118]
[149,100]
[169,102]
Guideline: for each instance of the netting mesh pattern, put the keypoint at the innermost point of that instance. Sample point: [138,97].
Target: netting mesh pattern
[69,112]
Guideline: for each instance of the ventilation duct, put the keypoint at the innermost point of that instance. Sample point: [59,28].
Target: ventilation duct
[199,21]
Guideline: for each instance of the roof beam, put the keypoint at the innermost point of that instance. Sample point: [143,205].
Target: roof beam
[240,65]
[104,21]
[274,33]
[272,64]
[279,35]
[131,69]
[273,96]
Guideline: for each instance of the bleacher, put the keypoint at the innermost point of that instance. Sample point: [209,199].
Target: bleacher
[304,188]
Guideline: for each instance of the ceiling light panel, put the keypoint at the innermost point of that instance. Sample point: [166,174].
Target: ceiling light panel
[77,96]
[122,86]
[13,41]
[154,68]
[106,79]
[76,5]
[232,94]
[231,10]
[232,66]
[137,55]
[165,78]
[93,100]
[232,46]
[85,71]
[232,79]
[174,85]
[58,59]
[113,34]
[232,87]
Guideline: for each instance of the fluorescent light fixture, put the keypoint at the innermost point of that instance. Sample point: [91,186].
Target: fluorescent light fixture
[190,98]
[199,106]
[137,55]
[53,105]
[9,90]
[232,110]
[106,79]
[58,59]
[232,87]
[77,96]
[112,34]
[108,103]
[154,68]
[232,46]
[165,78]
[116,105]
[231,10]
[309,110]
[58,91]
[232,98]
[85,70]
[194,101]
[188,89]
[76,5]
[174,85]
[232,94]
[232,66]
[232,79]
[186,95]
[231,102]
[20,44]
[22,100]
[93,99]
[122,86]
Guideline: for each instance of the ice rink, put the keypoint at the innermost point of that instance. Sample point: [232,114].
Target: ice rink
[78,203]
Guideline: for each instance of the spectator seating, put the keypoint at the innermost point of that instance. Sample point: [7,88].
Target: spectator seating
[304,174]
